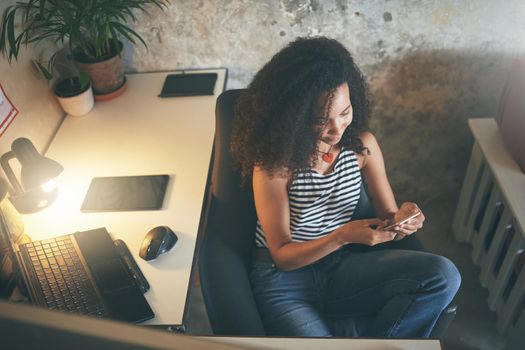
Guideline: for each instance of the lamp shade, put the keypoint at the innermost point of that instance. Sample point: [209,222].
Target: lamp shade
[36,170]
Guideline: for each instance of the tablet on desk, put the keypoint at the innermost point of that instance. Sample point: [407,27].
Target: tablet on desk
[125,193]
[189,84]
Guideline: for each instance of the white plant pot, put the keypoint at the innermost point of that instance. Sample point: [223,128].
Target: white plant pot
[78,105]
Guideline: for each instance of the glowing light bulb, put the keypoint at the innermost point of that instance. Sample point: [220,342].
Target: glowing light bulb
[49,186]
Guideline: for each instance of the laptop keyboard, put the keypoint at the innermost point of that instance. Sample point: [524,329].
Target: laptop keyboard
[62,276]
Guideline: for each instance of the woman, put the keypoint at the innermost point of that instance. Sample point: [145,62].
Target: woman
[301,138]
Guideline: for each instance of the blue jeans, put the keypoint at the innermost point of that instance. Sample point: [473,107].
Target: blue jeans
[385,293]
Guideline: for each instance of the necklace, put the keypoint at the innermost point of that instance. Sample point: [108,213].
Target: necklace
[327,156]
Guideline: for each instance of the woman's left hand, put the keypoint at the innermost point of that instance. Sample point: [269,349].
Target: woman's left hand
[410,226]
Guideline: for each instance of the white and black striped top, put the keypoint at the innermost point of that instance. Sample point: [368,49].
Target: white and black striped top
[321,203]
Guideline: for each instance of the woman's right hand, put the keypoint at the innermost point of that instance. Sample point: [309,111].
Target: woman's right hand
[364,232]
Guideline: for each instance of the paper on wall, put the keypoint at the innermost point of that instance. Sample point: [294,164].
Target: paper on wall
[8,111]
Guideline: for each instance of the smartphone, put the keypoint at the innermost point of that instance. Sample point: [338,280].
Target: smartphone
[400,222]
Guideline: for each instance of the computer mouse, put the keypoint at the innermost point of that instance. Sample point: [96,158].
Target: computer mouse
[158,240]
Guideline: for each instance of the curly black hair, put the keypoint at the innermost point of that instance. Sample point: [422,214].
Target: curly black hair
[277,126]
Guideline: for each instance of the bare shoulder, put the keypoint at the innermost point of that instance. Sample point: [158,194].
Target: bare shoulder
[369,140]
[371,147]
[263,179]
[270,195]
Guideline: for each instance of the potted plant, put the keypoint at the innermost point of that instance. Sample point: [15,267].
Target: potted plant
[74,95]
[73,91]
[92,30]
[73,87]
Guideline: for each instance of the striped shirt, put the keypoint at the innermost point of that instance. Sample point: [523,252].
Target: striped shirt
[321,203]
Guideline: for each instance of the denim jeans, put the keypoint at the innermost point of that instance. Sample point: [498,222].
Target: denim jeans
[385,293]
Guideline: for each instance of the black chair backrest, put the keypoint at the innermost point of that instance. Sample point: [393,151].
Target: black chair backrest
[228,240]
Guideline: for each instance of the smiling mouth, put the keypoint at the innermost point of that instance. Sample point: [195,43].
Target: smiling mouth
[333,137]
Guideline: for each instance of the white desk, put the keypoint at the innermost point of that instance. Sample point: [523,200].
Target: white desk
[284,343]
[138,133]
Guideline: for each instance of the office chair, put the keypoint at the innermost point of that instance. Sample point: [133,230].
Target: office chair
[229,234]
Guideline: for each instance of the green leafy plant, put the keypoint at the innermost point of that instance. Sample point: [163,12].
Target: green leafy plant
[75,83]
[91,29]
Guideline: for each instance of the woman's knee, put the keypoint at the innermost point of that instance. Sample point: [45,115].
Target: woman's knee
[297,320]
[446,275]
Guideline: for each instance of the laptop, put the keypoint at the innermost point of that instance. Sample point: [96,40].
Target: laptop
[79,273]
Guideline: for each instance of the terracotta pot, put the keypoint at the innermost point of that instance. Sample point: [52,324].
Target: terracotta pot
[106,76]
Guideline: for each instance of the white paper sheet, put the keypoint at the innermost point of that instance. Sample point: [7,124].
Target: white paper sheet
[8,111]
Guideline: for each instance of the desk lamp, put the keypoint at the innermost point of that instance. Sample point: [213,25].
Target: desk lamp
[37,190]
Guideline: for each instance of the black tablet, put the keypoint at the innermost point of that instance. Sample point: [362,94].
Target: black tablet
[190,84]
[125,193]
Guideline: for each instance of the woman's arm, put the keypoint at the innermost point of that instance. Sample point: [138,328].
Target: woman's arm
[374,176]
[273,212]
[379,189]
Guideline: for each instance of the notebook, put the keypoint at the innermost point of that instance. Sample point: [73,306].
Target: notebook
[79,273]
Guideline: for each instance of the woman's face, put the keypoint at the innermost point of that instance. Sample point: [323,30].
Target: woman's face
[339,117]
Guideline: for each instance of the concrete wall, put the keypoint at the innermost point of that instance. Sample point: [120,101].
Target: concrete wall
[430,65]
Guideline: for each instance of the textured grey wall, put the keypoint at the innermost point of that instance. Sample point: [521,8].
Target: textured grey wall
[430,65]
